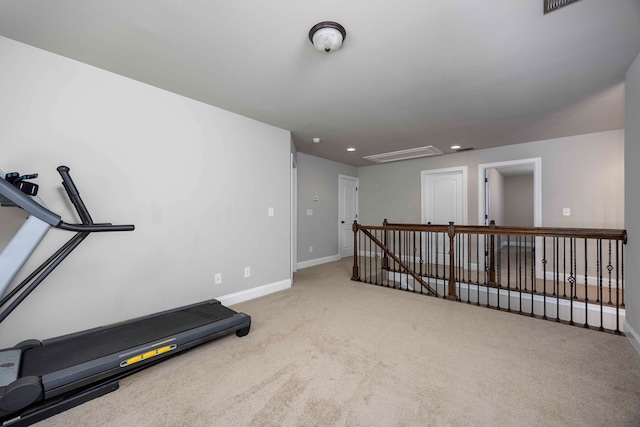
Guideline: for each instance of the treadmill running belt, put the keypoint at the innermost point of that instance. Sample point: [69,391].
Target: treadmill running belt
[119,337]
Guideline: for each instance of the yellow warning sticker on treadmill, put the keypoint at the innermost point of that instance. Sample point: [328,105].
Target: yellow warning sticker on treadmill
[147,355]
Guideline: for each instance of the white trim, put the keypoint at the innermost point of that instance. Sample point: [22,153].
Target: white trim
[249,294]
[632,336]
[318,261]
[555,306]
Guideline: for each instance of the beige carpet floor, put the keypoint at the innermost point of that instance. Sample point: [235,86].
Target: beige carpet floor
[330,351]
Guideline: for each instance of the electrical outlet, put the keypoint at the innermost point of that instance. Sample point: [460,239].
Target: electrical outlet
[247,272]
[310,249]
[218,278]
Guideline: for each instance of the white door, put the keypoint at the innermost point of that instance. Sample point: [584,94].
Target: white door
[444,199]
[347,213]
[444,196]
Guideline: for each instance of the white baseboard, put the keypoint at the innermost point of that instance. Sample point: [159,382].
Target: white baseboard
[318,261]
[249,294]
[632,336]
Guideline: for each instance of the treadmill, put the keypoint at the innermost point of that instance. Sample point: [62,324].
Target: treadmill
[39,379]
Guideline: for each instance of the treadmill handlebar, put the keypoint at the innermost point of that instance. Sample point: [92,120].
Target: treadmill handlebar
[74,195]
[87,222]
[18,198]
[94,228]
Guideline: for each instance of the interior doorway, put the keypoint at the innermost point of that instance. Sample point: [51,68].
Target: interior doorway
[347,213]
[294,216]
[491,194]
[496,203]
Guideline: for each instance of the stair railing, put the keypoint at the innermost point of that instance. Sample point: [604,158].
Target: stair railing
[570,275]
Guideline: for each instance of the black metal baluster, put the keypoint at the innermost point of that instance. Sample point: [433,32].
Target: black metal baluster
[478,269]
[600,273]
[519,262]
[622,275]
[437,266]
[609,269]
[617,331]
[586,284]
[598,270]
[356,255]
[544,278]
[564,267]
[508,274]
[469,277]
[362,249]
[571,280]
[372,257]
[487,267]
[416,260]
[524,260]
[533,273]
[377,255]
[574,294]
[391,263]
[368,261]
[557,278]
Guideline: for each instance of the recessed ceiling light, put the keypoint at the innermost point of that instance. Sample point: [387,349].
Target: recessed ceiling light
[351,149]
[316,140]
[456,147]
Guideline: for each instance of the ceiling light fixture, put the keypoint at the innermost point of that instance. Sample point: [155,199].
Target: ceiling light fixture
[327,36]
[456,147]
[351,149]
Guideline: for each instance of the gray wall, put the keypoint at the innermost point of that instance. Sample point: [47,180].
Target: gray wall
[582,172]
[318,177]
[632,199]
[197,182]
[518,201]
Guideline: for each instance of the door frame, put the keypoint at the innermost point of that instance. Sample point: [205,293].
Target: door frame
[294,216]
[536,162]
[340,207]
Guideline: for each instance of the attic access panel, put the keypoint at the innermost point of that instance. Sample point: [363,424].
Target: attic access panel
[551,5]
[411,153]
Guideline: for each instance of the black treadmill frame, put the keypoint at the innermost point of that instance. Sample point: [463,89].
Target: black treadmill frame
[67,386]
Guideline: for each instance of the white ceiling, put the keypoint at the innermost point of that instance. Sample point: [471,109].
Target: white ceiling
[411,73]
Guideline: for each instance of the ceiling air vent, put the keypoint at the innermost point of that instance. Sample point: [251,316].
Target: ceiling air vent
[551,5]
[412,153]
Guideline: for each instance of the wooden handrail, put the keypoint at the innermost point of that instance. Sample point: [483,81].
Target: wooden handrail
[588,233]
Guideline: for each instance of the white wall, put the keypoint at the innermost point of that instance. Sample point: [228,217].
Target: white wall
[195,180]
[632,199]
